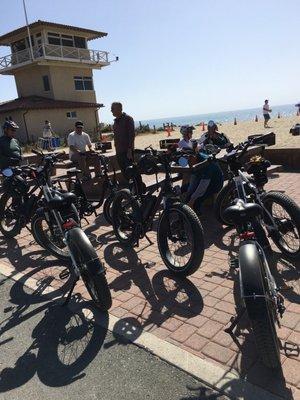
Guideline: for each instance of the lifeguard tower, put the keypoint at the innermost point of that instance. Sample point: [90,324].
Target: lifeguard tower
[54,77]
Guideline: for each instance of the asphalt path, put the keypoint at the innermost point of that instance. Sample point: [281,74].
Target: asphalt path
[54,352]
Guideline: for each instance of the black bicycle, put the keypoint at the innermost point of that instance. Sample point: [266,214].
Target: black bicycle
[109,186]
[281,215]
[259,294]
[19,201]
[179,233]
[54,209]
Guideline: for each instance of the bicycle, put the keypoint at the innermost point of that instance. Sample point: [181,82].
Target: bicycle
[179,233]
[55,206]
[259,293]
[85,205]
[281,215]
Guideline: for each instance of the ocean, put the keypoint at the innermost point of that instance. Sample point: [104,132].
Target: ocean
[221,117]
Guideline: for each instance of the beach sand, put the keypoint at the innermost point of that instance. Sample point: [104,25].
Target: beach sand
[236,133]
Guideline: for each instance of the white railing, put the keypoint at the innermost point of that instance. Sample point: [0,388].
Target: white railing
[51,51]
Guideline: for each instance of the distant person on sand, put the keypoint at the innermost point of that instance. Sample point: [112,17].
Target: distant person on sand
[124,135]
[213,136]
[266,113]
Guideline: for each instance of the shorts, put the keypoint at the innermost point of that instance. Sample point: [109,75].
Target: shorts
[267,117]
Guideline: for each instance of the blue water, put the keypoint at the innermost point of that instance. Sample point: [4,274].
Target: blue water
[226,116]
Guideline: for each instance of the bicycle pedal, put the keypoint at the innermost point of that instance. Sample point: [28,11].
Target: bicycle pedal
[234,263]
[64,274]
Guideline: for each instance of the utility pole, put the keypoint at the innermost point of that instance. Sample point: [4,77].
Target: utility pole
[28,31]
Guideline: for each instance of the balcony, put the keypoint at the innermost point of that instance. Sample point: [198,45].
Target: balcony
[94,58]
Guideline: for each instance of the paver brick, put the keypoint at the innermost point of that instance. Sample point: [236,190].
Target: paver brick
[210,329]
[291,371]
[220,292]
[222,317]
[195,342]
[217,352]
[183,333]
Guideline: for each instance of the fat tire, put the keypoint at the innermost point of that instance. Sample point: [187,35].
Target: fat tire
[107,208]
[219,207]
[197,235]
[17,228]
[253,281]
[42,239]
[94,278]
[121,195]
[292,209]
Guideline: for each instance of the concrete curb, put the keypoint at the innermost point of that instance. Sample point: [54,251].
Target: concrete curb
[227,382]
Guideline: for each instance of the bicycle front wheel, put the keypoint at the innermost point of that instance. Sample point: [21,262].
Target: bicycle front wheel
[180,239]
[91,269]
[260,303]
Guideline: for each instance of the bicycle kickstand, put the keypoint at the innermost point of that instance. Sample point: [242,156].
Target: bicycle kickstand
[68,297]
[149,240]
[235,320]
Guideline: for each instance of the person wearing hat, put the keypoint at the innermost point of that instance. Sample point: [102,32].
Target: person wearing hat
[187,134]
[213,136]
[10,149]
[78,141]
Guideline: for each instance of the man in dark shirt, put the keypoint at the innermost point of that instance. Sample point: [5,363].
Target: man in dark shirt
[213,136]
[10,150]
[124,134]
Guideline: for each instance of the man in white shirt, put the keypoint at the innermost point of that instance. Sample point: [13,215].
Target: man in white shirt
[78,141]
[266,113]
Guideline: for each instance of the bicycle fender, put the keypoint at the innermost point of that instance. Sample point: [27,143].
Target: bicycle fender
[251,280]
[78,243]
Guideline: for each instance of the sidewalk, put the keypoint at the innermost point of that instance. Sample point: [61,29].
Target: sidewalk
[190,314]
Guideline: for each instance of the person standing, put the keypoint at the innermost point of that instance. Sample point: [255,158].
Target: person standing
[10,149]
[124,135]
[266,113]
[78,141]
[47,130]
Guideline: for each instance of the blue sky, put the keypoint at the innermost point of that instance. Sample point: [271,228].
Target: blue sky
[180,57]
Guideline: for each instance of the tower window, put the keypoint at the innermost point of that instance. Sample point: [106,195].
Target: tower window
[71,114]
[83,83]
[46,83]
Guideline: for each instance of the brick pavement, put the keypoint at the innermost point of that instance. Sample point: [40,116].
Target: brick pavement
[190,313]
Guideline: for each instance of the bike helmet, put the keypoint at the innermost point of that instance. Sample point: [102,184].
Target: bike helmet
[186,129]
[148,164]
[10,124]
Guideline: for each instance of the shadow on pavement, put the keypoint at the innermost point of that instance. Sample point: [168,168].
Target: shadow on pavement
[64,341]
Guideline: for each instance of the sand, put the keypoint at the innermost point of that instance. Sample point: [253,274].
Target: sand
[236,133]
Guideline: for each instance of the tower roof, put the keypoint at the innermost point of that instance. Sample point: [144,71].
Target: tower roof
[5,39]
[40,103]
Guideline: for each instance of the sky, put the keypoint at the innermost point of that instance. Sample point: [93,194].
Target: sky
[180,57]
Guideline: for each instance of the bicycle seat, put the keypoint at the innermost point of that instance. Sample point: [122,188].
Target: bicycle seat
[131,171]
[242,212]
[61,200]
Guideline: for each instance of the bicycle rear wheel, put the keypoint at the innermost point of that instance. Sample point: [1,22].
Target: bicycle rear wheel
[49,236]
[10,224]
[286,214]
[126,216]
[223,200]
[259,301]
[180,239]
